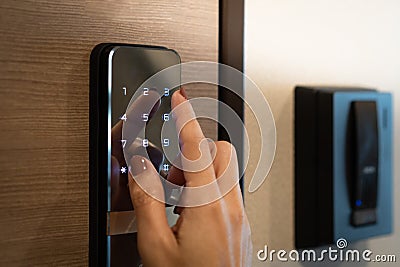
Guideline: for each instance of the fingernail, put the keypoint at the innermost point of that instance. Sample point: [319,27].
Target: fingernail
[183,93]
[138,165]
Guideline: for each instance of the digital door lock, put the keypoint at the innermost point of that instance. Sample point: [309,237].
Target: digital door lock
[117,72]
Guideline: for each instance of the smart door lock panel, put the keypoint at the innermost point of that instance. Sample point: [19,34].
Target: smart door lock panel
[364,148]
[118,72]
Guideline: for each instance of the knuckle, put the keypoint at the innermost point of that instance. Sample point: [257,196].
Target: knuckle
[139,197]
[226,148]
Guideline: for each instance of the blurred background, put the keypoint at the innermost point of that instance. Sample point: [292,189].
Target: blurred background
[289,43]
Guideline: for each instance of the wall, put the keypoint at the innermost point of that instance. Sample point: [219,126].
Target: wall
[316,42]
[44,103]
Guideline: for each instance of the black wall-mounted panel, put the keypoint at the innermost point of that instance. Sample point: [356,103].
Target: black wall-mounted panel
[343,164]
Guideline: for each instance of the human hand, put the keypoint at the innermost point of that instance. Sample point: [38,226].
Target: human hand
[214,234]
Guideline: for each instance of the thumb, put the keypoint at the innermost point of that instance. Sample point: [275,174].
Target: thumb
[146,193]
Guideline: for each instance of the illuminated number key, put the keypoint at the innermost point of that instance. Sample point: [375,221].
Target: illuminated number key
[123,142]
[166,142]
[145,116]
[145,142]
[165,117]
[124,89]
[166,91]
[145,91]
[123,117]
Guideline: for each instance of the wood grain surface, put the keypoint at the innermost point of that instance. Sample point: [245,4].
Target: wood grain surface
[44,122]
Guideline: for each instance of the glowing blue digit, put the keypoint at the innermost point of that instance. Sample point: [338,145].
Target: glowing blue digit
[166,91]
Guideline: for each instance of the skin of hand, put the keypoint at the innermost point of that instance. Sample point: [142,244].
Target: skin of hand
[214,234]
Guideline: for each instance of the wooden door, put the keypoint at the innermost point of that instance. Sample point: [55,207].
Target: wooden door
[44,122]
